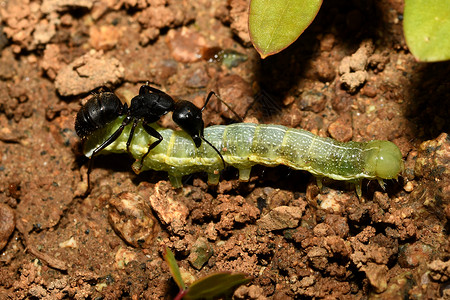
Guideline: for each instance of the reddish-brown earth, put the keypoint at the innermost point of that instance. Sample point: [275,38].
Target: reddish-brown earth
[349,76]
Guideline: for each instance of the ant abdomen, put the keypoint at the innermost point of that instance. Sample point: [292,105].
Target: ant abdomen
[101,109]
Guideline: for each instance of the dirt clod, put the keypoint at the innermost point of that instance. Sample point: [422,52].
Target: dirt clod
[440,270]
[341,129]
[170,211]
[186,46]
[131,217]
[281,217]
[377,276]
[353,68]
[87,73]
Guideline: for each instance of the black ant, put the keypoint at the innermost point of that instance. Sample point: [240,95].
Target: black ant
[147,107]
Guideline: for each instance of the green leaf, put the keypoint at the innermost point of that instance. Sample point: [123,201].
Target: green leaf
[173,267]
[275,24]
[215,285]
[427,29]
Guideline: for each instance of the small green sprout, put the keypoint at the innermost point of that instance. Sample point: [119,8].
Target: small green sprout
[210,287]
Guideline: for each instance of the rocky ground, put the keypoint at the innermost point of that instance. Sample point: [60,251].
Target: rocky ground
[349,76]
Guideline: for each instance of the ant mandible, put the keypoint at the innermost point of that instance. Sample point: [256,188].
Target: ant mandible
[147,107]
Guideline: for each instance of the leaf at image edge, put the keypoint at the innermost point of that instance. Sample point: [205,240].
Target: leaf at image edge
[173,267]
[275,24]
[215,285]
[426,26]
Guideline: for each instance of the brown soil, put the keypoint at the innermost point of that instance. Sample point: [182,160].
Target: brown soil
[349,76]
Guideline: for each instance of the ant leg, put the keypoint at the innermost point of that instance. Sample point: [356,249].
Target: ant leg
[90,166]
[146,89]
[133,127]
[152,131]
[101,89]
[113,136]
[105,144]
[221,100]
[209,98]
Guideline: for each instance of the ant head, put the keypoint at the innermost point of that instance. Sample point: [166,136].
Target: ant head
[189,118]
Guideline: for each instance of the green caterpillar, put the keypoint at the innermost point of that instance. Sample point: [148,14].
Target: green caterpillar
[244,145]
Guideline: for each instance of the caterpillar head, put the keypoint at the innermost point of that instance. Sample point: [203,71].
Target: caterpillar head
[383,160]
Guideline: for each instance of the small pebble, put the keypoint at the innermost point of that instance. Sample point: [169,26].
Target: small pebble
[70,243]
[201,252]
[131,218]
[409,186]
[341,130]
[281,217]
[185,45]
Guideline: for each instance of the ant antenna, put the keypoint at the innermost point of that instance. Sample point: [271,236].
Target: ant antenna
[211,93]
[215,149]
[90,165]
[221,100]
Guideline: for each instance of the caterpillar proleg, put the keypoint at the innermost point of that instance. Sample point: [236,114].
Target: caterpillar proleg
[244,145]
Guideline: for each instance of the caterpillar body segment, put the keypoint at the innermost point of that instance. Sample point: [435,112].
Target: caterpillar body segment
[244,145]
